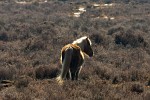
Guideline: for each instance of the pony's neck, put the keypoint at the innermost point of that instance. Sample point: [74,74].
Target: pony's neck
[80,42]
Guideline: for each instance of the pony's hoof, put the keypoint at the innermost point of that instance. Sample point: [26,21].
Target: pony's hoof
[59,80]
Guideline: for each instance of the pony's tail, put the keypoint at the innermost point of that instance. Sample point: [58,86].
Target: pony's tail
[65,64]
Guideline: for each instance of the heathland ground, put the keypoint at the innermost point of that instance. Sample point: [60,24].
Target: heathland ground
[32,33]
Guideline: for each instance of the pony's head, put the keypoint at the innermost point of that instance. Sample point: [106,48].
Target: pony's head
[85,44]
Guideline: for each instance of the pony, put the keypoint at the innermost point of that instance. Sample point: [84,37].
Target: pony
[72,58]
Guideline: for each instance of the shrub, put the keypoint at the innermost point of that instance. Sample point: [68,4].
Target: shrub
[46,72]
[148,83]
[147,96]
[136,75]
[137,88]
[6,73]
[130,38]
[117,79]
[97,38]
[29,71]
[107,1]
[34,45]
[115,29]
[103,72]
[22,81]
[3,36]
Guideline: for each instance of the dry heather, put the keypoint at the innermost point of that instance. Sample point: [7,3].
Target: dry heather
[33,33]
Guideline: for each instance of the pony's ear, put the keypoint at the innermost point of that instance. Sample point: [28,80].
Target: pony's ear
[87,37]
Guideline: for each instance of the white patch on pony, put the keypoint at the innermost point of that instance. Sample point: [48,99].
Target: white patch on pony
[79,40]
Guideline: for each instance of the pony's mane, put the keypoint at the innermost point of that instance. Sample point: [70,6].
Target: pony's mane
[81,39]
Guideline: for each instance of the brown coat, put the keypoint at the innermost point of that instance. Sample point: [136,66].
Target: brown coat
[77,58]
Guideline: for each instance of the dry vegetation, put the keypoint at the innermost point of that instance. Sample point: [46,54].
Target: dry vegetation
[32,35]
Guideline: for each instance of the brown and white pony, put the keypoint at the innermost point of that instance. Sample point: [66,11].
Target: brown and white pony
[72,58]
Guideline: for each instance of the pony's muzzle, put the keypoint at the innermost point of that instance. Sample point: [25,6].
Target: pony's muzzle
[91,54]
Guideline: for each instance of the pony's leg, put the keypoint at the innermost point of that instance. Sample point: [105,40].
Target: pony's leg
[66,62]
[77,73]
[73,74]
[68,75]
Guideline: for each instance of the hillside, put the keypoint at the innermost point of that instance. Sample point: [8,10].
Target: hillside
[32,34]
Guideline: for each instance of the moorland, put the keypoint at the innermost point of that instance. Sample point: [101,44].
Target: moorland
[32,33]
